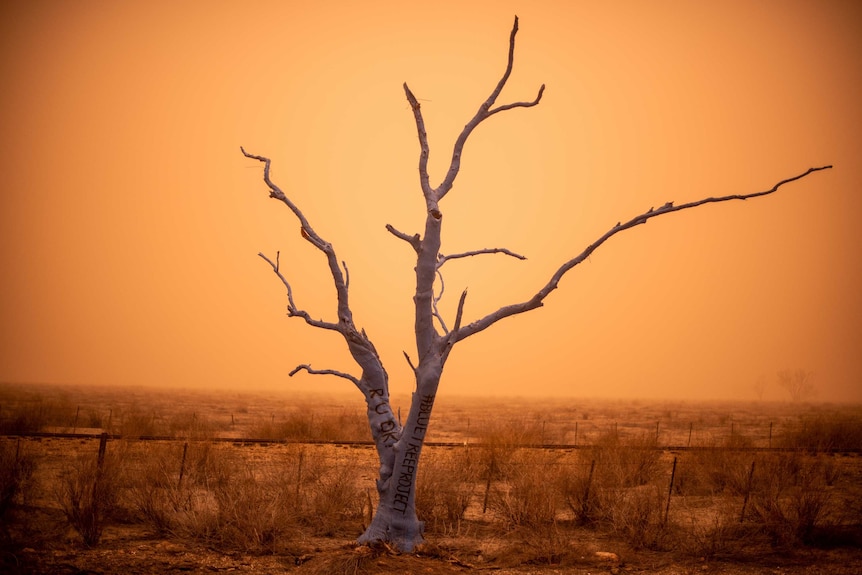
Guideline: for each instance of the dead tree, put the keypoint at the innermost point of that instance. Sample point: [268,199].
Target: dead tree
[399,447]
[797,383]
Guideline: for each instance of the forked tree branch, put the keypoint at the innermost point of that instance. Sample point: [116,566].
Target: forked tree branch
[292,310]
[536,301]
[374,382]
[413,240]
[306,230]
[434,195]
[442,259]
[345,316]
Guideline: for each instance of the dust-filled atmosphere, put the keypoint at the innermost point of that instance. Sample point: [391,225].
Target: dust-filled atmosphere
[131,222]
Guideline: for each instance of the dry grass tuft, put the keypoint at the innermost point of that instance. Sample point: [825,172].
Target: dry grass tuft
[88,492]
[445,488]
[16,471]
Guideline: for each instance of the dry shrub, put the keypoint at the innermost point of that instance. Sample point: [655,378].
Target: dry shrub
[330,496]
[510,434]
[791,496]
[635,514]
[16,470]
[253,511]
[169,481]
[713,470]
[622,489]
[88,493]
[309,425]
[825,433]
[229,501]
[31,414]
[190,425]
[498,443]
[445,486]
[711,528]
[527,495]
[627,463]
[136,423]
[575,486]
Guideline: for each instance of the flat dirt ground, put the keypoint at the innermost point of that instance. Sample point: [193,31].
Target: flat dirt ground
[35,536]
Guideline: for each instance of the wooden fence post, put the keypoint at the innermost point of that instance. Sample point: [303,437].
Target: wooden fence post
[299,473]
[183,464]
[747,492]
[670,490]
[492,467]
[584,503]
[103,445]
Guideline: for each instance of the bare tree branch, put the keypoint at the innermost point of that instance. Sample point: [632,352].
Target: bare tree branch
[312,371]
[275,192]
[441,259]
[536,301]
[292,310]
[436,299]
[374,383]
[423,145]
[413,240]
[482,113]
[345,316]
[485,110]
[519,104]
[409,361]
[460,313]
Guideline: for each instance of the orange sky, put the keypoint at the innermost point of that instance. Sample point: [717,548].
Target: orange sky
[131,222]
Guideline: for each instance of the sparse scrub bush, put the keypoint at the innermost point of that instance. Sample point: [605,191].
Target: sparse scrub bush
[575,485]
[499,442]
[88,493]
[445,488]
[16,470]
[309,425]
[191,426]
[330,495]
[164,481]
[527,495]
[627,463]
[254,511]
[792,496]
[32,415]
[235,503]
[172,484]
[635,514]
[825,433]
[507,435]
[135,423]
[712,471]
[219,498]
[714,530]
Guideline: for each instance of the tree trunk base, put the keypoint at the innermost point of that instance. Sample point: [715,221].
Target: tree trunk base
[390,527]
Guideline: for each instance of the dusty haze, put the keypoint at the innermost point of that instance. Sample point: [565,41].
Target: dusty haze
[131,222]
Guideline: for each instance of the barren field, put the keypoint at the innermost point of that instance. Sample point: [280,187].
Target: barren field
[200,482]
